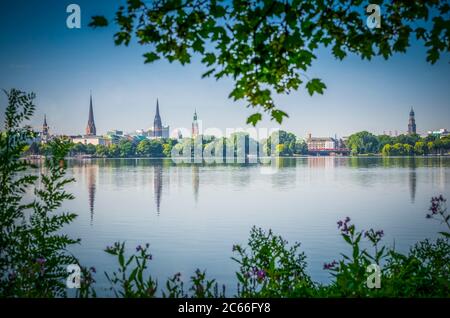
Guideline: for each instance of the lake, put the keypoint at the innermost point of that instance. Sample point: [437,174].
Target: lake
[192,214]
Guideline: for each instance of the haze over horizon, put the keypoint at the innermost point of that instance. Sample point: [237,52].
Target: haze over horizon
[61,65]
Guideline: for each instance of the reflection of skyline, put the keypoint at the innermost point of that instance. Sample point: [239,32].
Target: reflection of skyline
[195,181]
[91,171]
[157,185]
[412,180]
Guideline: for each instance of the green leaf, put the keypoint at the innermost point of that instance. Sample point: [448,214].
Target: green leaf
[133,274]
[98,21]
[278,115]
[150,57]
[253,119]
[207,73]
[209,59]
[347,238]
[315,86]
[446,234]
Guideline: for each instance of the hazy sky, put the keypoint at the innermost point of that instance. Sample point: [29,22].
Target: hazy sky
[39,53]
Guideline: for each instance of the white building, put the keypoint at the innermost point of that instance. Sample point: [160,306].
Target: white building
[91,140]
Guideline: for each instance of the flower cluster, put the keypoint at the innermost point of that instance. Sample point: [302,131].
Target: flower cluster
[328,266]
[374,236]
[344,225]
[437,206]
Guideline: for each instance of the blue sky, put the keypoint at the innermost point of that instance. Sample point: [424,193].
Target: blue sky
[39,53]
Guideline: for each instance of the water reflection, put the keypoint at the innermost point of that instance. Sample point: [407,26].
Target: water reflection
[291,172]
[91,178]
[157,184]
[195,181]
[412,180]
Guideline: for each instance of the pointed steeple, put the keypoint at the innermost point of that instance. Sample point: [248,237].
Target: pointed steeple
[195,131]
[157,108]
[412,129]
[45,127]
[90,129]
[157,123]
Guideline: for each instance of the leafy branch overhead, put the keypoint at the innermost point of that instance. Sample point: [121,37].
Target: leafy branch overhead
[266,45]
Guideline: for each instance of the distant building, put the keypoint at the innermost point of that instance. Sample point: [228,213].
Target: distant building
[90,128]
[412,123]
[92,140]
[439,133]
[114,136]
[321,143]
[91,132]
[195,130]
[45,134]
[326,145]
[158,130]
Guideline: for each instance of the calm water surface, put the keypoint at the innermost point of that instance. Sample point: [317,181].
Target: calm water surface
[193,214]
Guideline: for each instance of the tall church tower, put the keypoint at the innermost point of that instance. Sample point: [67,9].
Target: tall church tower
[45,130]
[412,123]
[195,125]
[90,128]
[157,124]
[45,127]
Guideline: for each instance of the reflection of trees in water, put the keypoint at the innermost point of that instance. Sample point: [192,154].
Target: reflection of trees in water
[412,180]
[157,184]
[195,180]
[91,178]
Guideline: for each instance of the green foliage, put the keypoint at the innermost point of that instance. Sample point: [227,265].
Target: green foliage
[362,142]
[131,283]
[288,145]
[33,252]
[269,268]
[403,145]
[266,46]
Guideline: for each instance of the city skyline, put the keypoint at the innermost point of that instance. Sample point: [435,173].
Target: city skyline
[158,130]
[61,65]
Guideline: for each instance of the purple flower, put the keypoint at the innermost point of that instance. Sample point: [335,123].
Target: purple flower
[437,205]
[138,248]
[328,266]
[344,225]
[92,269]
[149,257]
[374,236]
[40,260]
[261,274]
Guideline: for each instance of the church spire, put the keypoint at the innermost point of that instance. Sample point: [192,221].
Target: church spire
[157,124]
[412,129]
[157,109]
[90,129]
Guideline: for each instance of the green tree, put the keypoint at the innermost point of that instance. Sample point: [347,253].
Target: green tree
[33,252]
[406,139]
[101,151]
[126,149]
[387,149]
[363,142]
[301,147]
[143,148]
[266,47]
[420,148]
[384,140]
